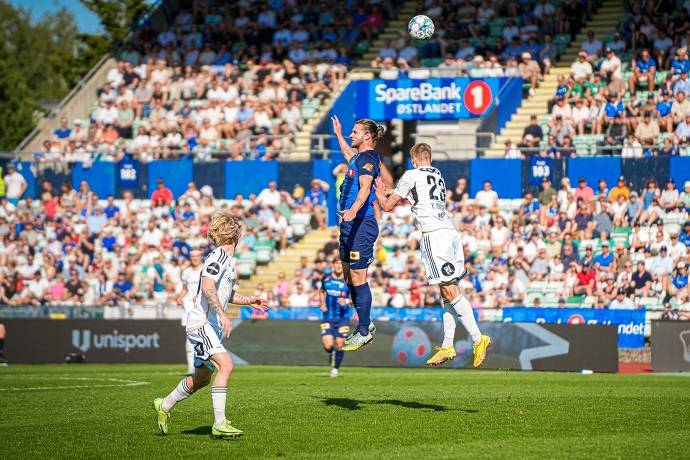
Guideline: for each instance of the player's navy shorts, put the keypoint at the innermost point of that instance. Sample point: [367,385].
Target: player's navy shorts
[339,328]
[357,240]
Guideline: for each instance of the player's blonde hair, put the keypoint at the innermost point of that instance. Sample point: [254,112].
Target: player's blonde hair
[377,131]
[421,152]
[224,229]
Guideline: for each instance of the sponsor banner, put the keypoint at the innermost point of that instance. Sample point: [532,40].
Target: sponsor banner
[630,323]
[125,341]
[670,346]
[556,347]
[430,99]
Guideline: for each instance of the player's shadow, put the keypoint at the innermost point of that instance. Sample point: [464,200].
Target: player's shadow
[354,404]
[204,430]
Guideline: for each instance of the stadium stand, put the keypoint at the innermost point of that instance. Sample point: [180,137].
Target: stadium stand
[227,79]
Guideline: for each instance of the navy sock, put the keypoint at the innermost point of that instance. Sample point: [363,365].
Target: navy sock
[338,358]
[363,305]
[353,296]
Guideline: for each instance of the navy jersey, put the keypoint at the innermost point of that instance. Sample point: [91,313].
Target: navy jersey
[365,163]
[335,291]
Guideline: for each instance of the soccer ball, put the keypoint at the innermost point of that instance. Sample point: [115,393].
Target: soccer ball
[420,27]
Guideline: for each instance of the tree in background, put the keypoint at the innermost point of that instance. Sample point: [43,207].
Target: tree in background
[40,61]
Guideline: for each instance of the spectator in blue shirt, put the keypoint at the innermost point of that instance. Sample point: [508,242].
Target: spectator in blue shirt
[663,111]
[677,286]
[111,210]
[681,63]
[684,236]
[614,107]
[683,84]
[63,132]
[605,259]
[122,288]
[644,69]
[109,240]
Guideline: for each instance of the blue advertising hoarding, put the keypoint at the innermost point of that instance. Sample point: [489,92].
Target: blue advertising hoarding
[425,99]
[630,322]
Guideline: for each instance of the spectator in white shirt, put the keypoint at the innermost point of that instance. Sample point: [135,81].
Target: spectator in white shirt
[581,68]
[15,185]
[487,197]
[621,302]
[299,298]
[270,196]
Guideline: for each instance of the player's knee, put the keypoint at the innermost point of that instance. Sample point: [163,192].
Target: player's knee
[449,291]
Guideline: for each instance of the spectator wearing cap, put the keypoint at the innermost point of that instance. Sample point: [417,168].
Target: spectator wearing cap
[680,64]
[647,131]
[620,189]
[586,282]
[678,284]
[15,185]
[633,209]
[662,264]
[621,302]
[162,193]
[611,70]
[643,69]
[581,69]
[547,192]
[663,111]
[529,71]
[676,249]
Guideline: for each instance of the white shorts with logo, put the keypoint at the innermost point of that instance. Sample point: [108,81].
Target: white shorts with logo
[206,341]
[442,256]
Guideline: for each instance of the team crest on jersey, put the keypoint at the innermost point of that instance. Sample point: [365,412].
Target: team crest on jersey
[369,167]
[213,269]
[350,172]
[354,255]
[448,269]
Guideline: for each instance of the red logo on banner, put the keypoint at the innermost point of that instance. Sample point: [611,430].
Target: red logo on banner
[576,319]
[477,97]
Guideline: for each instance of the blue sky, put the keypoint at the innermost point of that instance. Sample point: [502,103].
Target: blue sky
[86,20]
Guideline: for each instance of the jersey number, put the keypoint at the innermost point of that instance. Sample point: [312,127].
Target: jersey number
[431,180]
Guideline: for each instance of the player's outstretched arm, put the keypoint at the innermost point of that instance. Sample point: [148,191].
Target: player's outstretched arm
[386,198]
[254,302]
[208,288]
[348,152]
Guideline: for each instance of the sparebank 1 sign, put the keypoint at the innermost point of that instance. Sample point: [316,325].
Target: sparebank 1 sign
[431,99]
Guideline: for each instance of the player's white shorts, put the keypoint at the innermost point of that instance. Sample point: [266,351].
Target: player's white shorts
[442,255]
[206,343]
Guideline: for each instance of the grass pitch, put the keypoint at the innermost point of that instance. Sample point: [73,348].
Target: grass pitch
[99,411]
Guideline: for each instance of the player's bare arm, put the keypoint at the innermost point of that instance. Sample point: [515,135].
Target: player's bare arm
[387,199]
[254,302]
[208,288]
[322,301]
[348,152]
[183,294]
[362,197]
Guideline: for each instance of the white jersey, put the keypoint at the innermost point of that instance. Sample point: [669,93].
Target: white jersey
[425,188]
[220,267]
[191,279]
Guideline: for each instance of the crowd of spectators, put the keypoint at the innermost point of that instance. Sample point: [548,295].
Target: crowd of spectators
[230,79]
[69,247]
[627,92]
[486,39]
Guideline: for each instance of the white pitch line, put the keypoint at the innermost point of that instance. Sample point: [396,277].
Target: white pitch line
[121,383]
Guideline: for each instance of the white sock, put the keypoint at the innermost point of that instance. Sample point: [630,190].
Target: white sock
[450,322]
[464,311]
[218,395]
[181,392]
[190,356]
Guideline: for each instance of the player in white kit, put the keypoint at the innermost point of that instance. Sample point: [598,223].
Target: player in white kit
[207,324]
[190,277]
[441,249]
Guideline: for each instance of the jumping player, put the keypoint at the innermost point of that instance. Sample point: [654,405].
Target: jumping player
[335,325]
[358,227]
[441,249]
[190,280]
[207,324]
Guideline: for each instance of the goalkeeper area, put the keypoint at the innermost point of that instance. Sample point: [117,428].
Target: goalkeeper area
[104,411]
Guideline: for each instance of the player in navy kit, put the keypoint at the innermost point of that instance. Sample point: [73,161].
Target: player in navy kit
[359,228]
[335,323]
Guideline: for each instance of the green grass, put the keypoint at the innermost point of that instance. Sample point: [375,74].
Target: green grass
[298,412]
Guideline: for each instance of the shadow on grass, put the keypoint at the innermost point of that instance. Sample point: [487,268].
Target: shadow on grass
[204,430]
[354,404]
